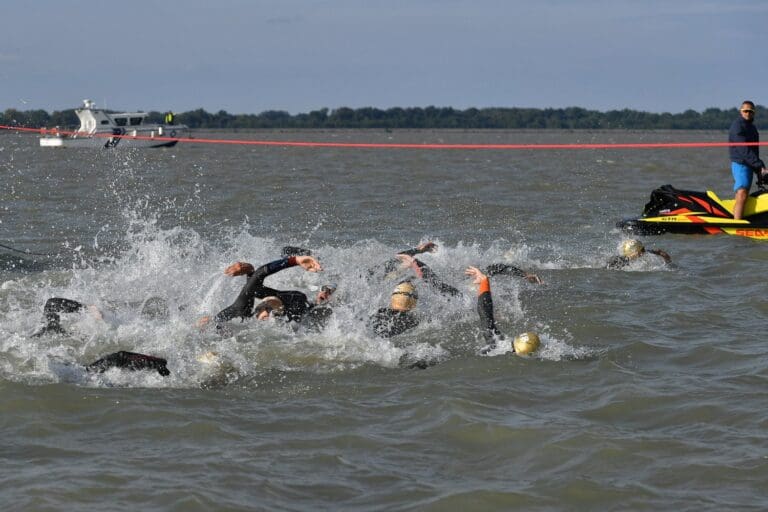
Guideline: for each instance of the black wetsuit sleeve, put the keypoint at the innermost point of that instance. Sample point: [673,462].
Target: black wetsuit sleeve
[393,263]
[254,289]
[129,361]
[411,252]
[503,269]
[429,276]
[487,322]
[389,266]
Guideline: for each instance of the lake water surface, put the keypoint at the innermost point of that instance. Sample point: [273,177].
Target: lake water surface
[648,392]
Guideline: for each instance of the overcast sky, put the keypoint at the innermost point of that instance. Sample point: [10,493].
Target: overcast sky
[247,56]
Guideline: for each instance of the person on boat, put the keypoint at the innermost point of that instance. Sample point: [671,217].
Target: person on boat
[745,160]
[293,306]
[523,344]
[151,308]
[631,250]
[399,317]
[169,117]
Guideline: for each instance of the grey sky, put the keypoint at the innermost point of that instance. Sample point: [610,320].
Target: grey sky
[249,56]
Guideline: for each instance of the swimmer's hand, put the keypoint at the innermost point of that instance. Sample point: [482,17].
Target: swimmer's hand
[476,274]
[426,247]
[405,260]
[94,312]
[239,269]
[308,263]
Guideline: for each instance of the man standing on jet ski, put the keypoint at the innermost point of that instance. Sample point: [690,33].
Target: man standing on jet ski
[744,159]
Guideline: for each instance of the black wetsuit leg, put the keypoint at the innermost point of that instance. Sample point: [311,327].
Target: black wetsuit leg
[129,361]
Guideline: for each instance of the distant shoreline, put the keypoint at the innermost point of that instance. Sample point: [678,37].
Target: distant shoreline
[572,118]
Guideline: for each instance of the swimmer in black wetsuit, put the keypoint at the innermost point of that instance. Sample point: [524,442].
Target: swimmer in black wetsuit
[523,344]
[399,316]
[153,307]
[631,250]
[291,305]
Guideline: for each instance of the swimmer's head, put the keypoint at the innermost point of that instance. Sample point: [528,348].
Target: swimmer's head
[155,308]
[268,306]
[404,297]
[526,343]
[632,249]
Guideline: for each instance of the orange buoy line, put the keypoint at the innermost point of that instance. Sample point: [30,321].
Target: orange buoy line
[368,145]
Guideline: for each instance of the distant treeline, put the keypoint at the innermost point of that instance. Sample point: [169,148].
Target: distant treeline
[417,117]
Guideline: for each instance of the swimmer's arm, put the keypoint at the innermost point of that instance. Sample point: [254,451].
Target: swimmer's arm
[484,302]
[511,270]
[239,268]
[658,252]
[426,273]
[420,249]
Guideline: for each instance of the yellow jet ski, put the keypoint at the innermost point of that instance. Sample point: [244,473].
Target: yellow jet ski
[682,211]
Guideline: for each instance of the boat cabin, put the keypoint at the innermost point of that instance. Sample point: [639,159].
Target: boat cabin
[94,120]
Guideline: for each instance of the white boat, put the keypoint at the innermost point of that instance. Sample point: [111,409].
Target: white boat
[99,128]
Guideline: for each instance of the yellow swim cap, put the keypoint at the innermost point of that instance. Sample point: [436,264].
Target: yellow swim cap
[526,343]
[404,297]
[632,248]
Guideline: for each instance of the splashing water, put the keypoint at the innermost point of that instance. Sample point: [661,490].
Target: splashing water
[179,266]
